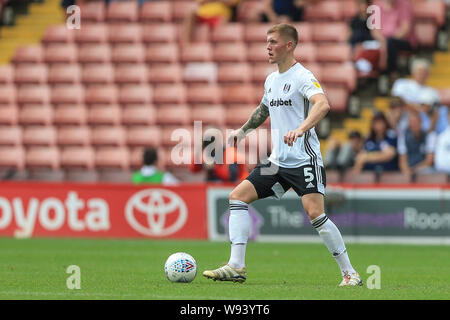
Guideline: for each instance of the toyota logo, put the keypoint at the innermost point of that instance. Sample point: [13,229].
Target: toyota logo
[156,212]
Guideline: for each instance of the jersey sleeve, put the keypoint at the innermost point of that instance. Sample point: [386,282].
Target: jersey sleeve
[265,98]
[309,85]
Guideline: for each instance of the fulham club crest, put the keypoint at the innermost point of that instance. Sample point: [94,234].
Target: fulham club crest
[286,88]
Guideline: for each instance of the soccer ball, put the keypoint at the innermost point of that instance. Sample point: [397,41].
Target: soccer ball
[180,267]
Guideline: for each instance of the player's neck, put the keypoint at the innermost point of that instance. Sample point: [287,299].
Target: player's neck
[285,65]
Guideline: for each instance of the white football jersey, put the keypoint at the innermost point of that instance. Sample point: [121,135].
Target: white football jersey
[287,97]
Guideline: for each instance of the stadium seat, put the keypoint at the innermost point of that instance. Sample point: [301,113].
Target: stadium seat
[234,72]
[181,8]
[75,174]
[74,136]
[394,178]
[228,32]
[159,32]
[108,136]
[238,114]
[68,94]
[104,115]
[78,157]
[93,11]
[333,53]
[128,53]
[156,11]
[29,74]
[165,73]
[351,9]
[257,52]
[365,177]
[48,157]
[162,53]
[176,135]
[330,10]
[8,94]
[433,178]
[173,114]
[61,53]
[39,135]
[315,68]
[97,74]
[58,34]
[133,115]
[29,54]
[426,33]
[131,74]
[233,52]
[330,31]
[144,136]
[204,93]
[337,98]
[169,93]
[33,94]
[122,11]
[101,94]
[342,74]
[112,157]
[305,31]
[10,135]
[240,94]
[64,74]
[306,52]
[135,94]
[198,52]
[333,176]
[36,115]
[6,74]
[444,95]
[12,157]
[249,11]
[433,11]
[92,33]
[200,72]
[209,115]
[91,53]
[125,33]
[9,114]
[256,32]
[70,115]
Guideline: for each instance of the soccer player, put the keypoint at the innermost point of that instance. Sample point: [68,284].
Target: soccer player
[295,102]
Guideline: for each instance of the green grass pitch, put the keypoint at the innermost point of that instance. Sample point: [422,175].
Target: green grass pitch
[134,269]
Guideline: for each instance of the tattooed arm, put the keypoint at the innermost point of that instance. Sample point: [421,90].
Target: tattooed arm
[258,116]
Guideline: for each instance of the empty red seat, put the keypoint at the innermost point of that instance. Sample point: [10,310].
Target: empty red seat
[68,94]
[305,31]
[198,52]
[8,94]
[365,177]
[200,34]
[337,98]
[33,73]
[241,94]
[433,178]
[39,135]
[162,53]
[176,135]
[181,8]
[169,93]
[156,11]
[98,74]
[104,115]
[260,71]
[159,32]
[250,10]
[237,115]
[306,52]
[122,11]
[6,74]
[10,135]
[394,178]
[228,32]
[74,136]
[433,11]
[108,136]
[330,31]
[92,11]
[125,33]
[234,52]
[41,115]
[334,53]
[135,94]
[315,68]
[162,73]
[112,157]
[58,34]
[234,72]
[131,73]
[174,114]
[64,74]
[94,53]
[83,157]
[204,93]
[9,114]
[144,136]
[139,115]
[33,94]
[61,53]
[324,10]
[128,53]
[12,157]
[209,115]
[92,33]
[256,32]
[29,54]
[200,72]
[101,94]
[342,74]
[257,52]
[425,33]
[70,115]
[48,157]
[351,9]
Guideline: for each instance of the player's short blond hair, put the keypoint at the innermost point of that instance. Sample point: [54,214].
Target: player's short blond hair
[286,31]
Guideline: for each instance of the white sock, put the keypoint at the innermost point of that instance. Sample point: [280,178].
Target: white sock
[333,240]
[239,229]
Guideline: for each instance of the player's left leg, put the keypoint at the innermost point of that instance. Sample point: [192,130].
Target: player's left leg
[313,203]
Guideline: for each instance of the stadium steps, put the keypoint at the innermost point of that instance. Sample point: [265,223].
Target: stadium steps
[29,28]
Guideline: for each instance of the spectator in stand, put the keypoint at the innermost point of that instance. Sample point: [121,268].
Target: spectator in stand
[395,34]
[283,11]
[397,115]
[415,148]
[210,12]
[442,153]
[149,173]
[342,157]
[379,153]
[358,24]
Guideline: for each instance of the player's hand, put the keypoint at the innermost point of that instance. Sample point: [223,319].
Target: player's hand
[292,136]
[235,137]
